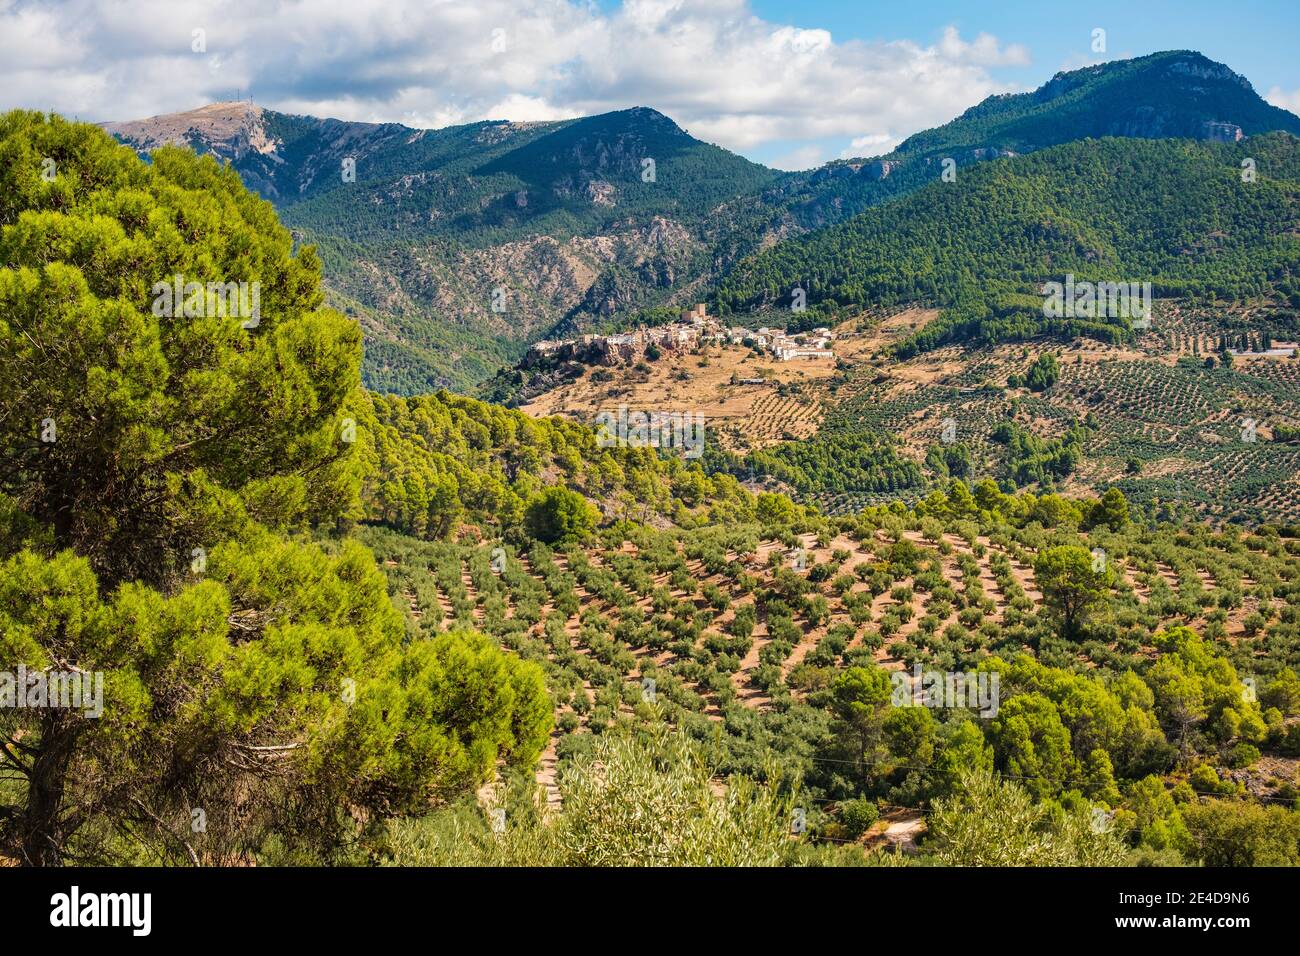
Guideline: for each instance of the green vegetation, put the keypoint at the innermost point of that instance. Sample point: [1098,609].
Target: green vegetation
[1032,459]
[1121,694]
[441,460]
[1042,374]
[158,473]
[558,514]
[836,460]
[1110,99]
[629,802]
[1072,581]
[495,201]
[349,628]
[497,160]
[1100,210]
[995,823]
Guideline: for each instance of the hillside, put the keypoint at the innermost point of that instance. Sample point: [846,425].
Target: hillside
[345,625]
[442,465]
[1162,417]
[749,636]
[281,157]
[1160,414]
[456,248]
[1174,213]
[1160,410]
[1176,94]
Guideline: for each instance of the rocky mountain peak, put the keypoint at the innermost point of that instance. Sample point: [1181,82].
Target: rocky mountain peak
[226,128]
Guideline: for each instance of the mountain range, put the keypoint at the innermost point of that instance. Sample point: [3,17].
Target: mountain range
[456,248]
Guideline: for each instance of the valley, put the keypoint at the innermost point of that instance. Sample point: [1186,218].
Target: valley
[1172,433]
[371,582]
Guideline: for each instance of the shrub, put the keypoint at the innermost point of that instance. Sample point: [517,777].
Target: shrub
[857,816]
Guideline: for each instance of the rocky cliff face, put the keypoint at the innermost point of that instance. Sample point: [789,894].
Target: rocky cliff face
[228,130]
[1149,123]
[1200,68]
[283,158]
[528,287]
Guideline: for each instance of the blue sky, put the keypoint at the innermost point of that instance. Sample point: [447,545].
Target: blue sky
[789,84]
[1258,38]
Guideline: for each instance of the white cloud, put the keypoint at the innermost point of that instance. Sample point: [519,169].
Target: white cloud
[526,109]
[712,65]
[1287,100]
[985,50]
[804,157]
[874,144]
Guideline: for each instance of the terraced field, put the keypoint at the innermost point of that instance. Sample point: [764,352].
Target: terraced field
[703,624]
[1168,422]
[747,399]
[777,417]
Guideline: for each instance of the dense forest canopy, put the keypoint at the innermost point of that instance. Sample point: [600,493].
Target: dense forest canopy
[1174,213]
[160,467]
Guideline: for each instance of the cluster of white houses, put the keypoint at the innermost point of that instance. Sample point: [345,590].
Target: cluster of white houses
[695,327]
[813,345]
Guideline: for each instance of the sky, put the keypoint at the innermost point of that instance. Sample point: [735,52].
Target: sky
[788,83]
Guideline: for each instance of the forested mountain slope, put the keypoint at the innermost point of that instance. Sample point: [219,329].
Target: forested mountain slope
[1178,214]
[455,248]
[1174,94]
[1179,94]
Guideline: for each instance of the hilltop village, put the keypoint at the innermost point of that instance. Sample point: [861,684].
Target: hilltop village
[694,328]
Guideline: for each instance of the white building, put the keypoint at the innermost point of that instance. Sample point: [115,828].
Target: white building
[787,353]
